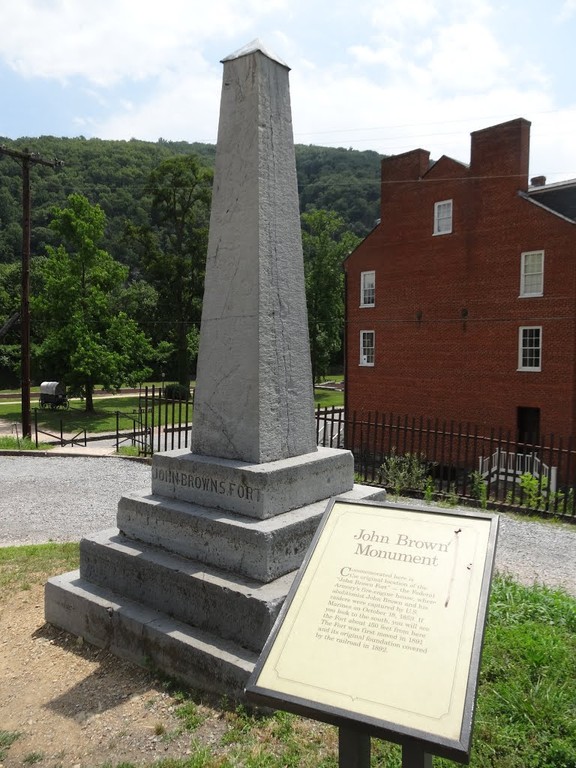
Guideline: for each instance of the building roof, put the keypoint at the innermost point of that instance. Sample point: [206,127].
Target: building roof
[559,197]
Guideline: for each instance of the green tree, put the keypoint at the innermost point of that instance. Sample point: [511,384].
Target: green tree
[114,175]
[345,181]
[84,340]
[173,250]
[10,349]
[10,290]
[326,243]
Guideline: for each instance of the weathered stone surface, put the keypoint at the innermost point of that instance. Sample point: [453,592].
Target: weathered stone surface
[254,490]
[258,549]
[195,621]
[254,394]
[147,637]
[231,606]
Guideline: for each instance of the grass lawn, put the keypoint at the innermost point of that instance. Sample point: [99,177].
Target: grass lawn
[75,418]
[526,701]
[104,419]
[326,398]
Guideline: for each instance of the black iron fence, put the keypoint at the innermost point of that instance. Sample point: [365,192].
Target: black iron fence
[60,438]
[429,458]
[159,423]
[452,462]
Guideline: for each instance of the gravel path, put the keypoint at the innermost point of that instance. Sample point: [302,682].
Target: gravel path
[61,498]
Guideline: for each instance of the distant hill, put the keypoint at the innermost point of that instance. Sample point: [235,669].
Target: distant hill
[114,174]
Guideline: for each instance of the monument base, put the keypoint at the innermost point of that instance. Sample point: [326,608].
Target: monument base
[255,490]
[262,550]
[147,637]
[164,603]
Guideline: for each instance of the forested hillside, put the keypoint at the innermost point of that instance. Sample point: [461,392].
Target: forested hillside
[118,244]
[114,175]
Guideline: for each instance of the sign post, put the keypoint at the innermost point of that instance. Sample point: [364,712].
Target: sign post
[353,748]
[414,756]
[382,631]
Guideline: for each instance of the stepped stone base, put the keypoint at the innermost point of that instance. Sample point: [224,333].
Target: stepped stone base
[191,591]
[257,549]
[147,637]
[230,606]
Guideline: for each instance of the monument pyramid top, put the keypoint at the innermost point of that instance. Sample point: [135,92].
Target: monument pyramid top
[255,45]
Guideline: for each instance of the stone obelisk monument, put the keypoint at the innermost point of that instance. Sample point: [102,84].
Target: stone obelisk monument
[194,575]
[254,395]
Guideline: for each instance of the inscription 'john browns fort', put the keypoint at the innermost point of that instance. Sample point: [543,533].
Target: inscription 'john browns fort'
[206,484]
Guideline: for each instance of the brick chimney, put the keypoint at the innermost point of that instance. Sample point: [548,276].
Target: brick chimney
[538,181]
[502,150]
[409,166]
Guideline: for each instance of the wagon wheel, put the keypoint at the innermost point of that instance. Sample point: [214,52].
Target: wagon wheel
[66,403]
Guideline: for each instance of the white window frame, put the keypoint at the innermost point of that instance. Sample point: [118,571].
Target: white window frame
[525,344]
[526,277]
[367,290]
[367,359]
[443,210]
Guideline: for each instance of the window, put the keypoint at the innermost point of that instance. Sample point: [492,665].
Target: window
[443,217]
[366,347]
[532,273]
[367,289]
[530,348]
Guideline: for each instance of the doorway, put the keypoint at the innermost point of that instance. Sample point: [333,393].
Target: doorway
[528,420]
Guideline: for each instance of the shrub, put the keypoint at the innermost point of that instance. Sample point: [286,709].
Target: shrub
[429,489]
[176,392]
[479,489]
[407,472]
[533,490]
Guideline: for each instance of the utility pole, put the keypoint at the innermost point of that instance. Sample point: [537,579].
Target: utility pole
[26,159]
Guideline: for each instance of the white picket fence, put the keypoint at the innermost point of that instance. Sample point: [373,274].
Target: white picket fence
[507,465]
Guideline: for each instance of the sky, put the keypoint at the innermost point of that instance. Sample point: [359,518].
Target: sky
[384,75]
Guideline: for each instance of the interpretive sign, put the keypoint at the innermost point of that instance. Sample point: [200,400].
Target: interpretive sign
[383,627]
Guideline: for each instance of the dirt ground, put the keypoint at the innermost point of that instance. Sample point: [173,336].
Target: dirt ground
[77,706]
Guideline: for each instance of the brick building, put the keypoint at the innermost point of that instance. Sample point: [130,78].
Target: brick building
[461,302]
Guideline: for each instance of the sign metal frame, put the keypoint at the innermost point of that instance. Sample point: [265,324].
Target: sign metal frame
[321,554]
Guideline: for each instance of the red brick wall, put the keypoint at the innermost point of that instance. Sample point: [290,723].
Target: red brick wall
[447,309]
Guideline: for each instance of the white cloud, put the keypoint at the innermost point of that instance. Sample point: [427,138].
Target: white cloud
[399,15]
[437,45]
[394,117]
[184,108]
[466,57]
[389,75]
[552,143]
[567,11]
[388,55]
[117,39]
[436,71]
